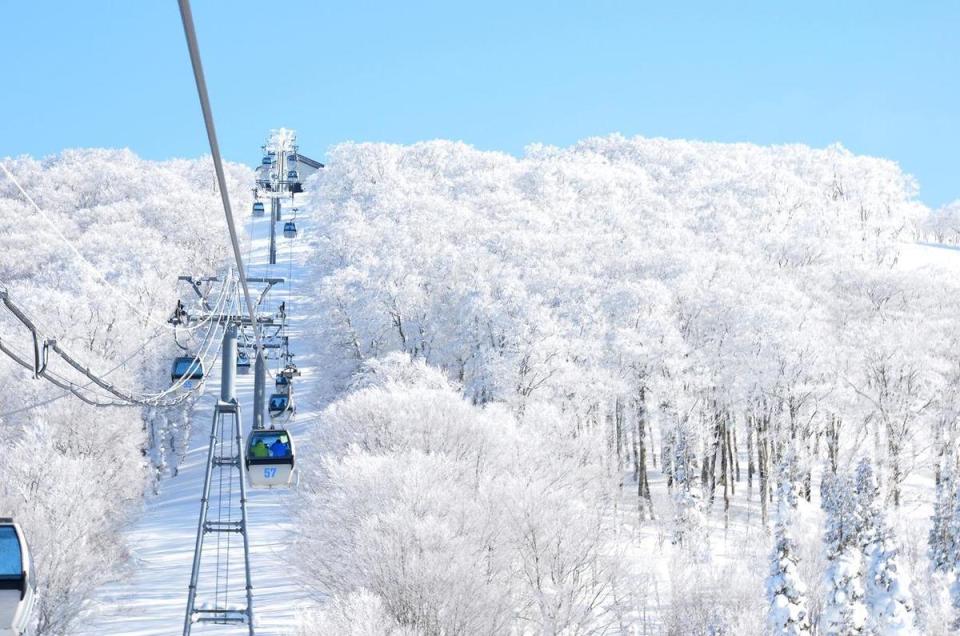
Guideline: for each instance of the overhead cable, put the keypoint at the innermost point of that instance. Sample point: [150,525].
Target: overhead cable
[127,397]
[191,35]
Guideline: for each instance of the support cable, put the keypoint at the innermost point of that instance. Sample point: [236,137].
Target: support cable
[150,399]
[205,344]
[63,384]
[191,35]
[128,397]
[111,388]
[188,328]
[86,386]
[72,388]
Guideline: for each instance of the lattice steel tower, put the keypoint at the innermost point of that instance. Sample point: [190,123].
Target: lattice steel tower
[223,514]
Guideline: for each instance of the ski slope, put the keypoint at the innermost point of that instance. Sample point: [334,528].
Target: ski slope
[919,255]
[151,599]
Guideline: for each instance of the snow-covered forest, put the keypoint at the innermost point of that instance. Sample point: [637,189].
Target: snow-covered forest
[73,473]
[631,386]
[943,225]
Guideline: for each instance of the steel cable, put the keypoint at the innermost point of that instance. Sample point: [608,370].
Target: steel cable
[191,35]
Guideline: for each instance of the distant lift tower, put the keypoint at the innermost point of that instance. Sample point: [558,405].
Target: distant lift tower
[274,219]
[276,187]
[281,143]
[283,176]
[223,514]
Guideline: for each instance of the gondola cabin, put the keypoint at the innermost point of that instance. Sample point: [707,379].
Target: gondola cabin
[281,406]
[282,382]
[267,160]
[291,158]
[293,181]
[17,580]
[270,458]
[189,368]
[290,229]
[258,209]
[243,363]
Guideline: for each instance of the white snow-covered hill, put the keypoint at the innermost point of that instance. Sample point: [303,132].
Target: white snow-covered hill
[629,386]
[679,345]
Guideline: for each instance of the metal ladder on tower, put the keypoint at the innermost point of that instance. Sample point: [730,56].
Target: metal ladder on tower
[225,457]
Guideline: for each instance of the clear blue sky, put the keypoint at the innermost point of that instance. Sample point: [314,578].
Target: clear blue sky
[880,77]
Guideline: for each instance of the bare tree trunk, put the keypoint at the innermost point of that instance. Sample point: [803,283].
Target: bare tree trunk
[811,457]
[751,466]
[940,451]
[709,472]
[653,448]
[618,432]
[667,453]
[643,483]
[731,456]
[735,450]
[725,472]
[708,452]
[895,478]
[833,441]
[763,450]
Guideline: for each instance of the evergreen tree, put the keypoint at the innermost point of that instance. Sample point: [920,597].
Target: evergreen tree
[689,529]
[787,593]
[943,540]
[845,611]
[954,532]
[887,586]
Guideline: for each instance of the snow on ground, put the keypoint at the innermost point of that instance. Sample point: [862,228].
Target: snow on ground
[151,600]
[917,255]
[739,545]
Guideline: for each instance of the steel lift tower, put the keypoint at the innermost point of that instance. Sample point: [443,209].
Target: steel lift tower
[224,461]
[282,142]
[274,180]
[223,503]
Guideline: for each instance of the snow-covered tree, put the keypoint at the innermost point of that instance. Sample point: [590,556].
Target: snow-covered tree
[689,530]
[693,306]
[943,541]
[888,595]
[942,225]
[845,612]
[789,614]
[449,517]
[954,532]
